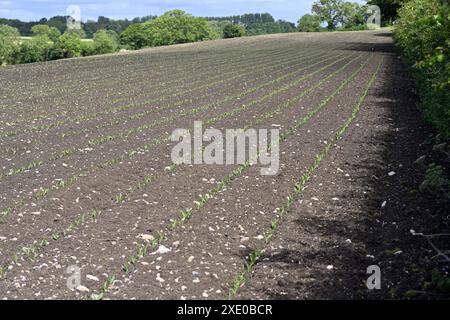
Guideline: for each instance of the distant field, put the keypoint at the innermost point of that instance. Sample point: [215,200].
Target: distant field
[29,38]
[86,176]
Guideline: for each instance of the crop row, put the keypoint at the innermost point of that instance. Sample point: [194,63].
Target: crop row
[140,62]
[144,73]
[203,200]
[216,92]
[106,139]
[45,191]
[120,197]
[192,85]
[136,80]
[298,190]
[139,80]
[210,83]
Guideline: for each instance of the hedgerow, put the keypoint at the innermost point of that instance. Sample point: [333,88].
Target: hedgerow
[423,34]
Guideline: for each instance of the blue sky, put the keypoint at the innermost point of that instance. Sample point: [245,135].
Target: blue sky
[30,10]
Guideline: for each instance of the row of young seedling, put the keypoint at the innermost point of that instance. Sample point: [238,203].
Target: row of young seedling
[298,190]
[89,66]
[222,78]
[162,84]
[132,153]
[112,78]
[221,90]
[42,193]
[145,148]
[32,251]
[144,74]
[203,200]
[185,215]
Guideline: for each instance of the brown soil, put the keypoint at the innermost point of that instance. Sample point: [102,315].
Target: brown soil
[352,214]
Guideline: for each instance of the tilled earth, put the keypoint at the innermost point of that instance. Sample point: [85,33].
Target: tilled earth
[87,182]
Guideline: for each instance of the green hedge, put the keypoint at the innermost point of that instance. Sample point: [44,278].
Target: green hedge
[47,44]
[423,34]
[173,27]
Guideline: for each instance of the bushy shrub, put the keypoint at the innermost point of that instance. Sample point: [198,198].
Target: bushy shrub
[38,49]
[309,23]
[9,44]
[137,36]
[44,30]
[172,27]
[233,31]
[423,34]
[87,48]
[69,45]
[104,42]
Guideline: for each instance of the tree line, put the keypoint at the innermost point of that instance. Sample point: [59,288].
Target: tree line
[89,27]
[256,23]
[330,15]
[50,39]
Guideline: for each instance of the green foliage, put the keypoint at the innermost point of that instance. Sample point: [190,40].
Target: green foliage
[257,23]
[440,282]
[54,34]
[79,32]
[330,11]
[69,45]
[137,36]
[40,30]
[309,23]
[44,30]
[346,15]
[37,49]
[177,26]
[9,44]
[271,28]
[172,27]
[88,48]
[423,34]
[389,9]
[90,27]
[436,181]
[354,16]
[104,42]
[233,31]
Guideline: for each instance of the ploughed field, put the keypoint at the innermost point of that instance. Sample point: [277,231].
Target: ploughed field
[87,179]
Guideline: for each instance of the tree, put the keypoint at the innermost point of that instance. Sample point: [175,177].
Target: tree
[329,11]
[104,42]
[44,30]
[40,30]
[38,49]
[79,32]
[233,31]
[309,23]
[137,36]
[69,45]
[177,26]
[352,15]
[9,44]
[87,48]
[389,9]
[172,27]
[54,34]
